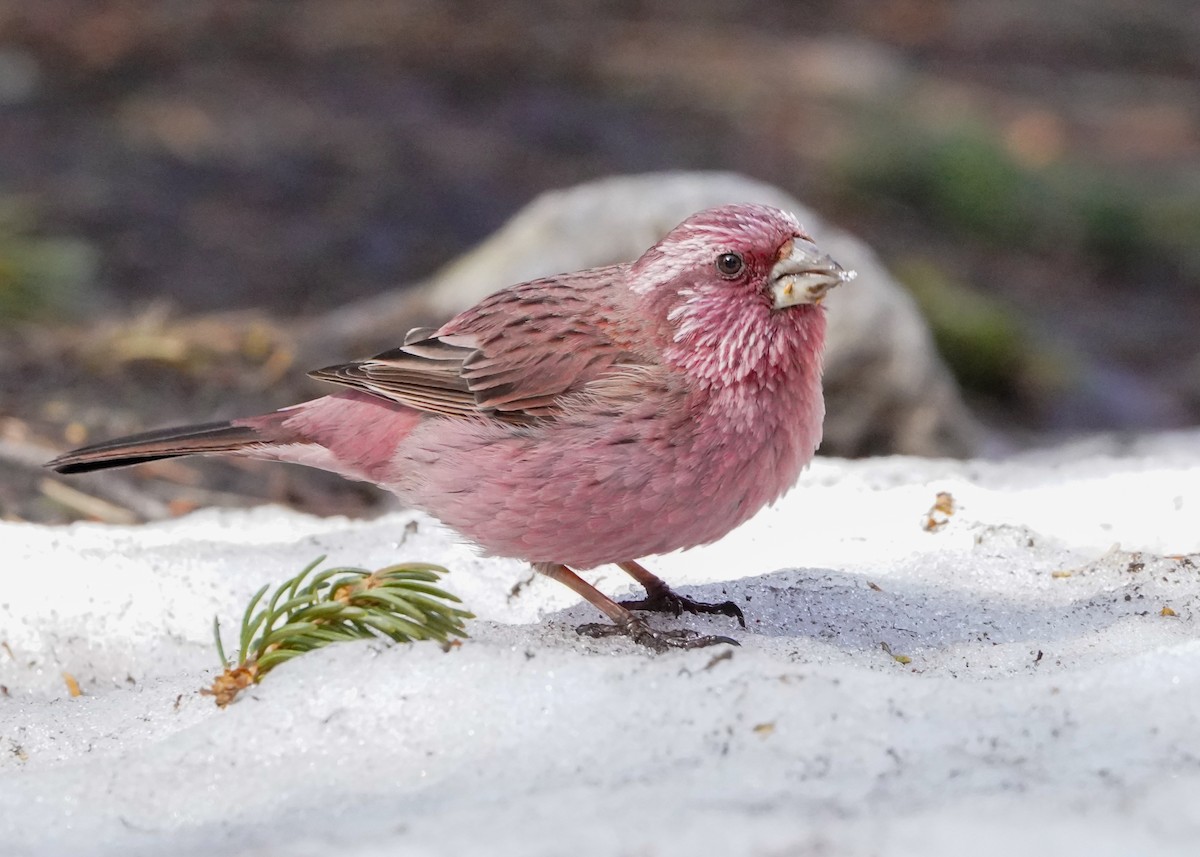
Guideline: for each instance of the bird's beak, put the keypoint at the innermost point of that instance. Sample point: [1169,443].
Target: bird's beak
[804,274]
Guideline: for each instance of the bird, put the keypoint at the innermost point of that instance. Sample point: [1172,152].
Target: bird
[573,421]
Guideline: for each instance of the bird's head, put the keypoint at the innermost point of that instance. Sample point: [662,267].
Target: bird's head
[734,290]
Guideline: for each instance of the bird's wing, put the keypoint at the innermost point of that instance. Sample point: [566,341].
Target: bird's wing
[514,356]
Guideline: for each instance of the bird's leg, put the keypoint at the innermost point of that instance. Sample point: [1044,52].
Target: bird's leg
[660,598]
[624,622]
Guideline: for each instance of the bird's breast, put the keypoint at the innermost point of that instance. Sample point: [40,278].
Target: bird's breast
[672,470]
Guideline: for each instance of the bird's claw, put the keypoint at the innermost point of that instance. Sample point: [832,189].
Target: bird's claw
[669,601]
[660,641]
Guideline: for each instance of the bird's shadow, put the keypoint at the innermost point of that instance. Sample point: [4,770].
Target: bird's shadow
[851,613]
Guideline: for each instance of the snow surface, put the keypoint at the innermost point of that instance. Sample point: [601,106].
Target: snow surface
[1041,713]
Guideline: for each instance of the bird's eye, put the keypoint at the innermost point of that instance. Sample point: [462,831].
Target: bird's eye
[730,264]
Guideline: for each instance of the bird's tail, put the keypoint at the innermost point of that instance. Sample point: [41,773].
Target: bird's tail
[222,437]
[351,433]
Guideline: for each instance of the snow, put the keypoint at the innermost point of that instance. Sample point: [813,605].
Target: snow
[1049,706]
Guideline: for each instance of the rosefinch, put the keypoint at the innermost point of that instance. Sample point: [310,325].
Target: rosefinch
[583,419]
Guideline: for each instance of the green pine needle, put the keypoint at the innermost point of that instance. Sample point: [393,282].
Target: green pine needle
[336,605]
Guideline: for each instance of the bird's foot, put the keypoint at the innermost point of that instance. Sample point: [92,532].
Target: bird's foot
[640,632]
[667,600]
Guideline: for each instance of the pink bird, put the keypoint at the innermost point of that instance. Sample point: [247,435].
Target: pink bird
[583,419]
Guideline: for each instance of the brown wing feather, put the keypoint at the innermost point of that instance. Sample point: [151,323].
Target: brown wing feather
[433,384]
[514,356]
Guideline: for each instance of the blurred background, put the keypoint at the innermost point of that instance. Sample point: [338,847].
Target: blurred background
[185,185]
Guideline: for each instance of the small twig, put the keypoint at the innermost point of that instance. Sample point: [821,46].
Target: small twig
[87,504]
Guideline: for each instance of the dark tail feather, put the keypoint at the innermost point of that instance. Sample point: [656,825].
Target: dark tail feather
[153,445]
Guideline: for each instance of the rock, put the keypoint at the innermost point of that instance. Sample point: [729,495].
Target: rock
[887,390]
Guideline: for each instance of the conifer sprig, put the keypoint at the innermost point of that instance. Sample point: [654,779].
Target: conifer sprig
[311,610]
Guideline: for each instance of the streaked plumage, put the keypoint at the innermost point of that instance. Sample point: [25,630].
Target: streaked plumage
[590,418]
